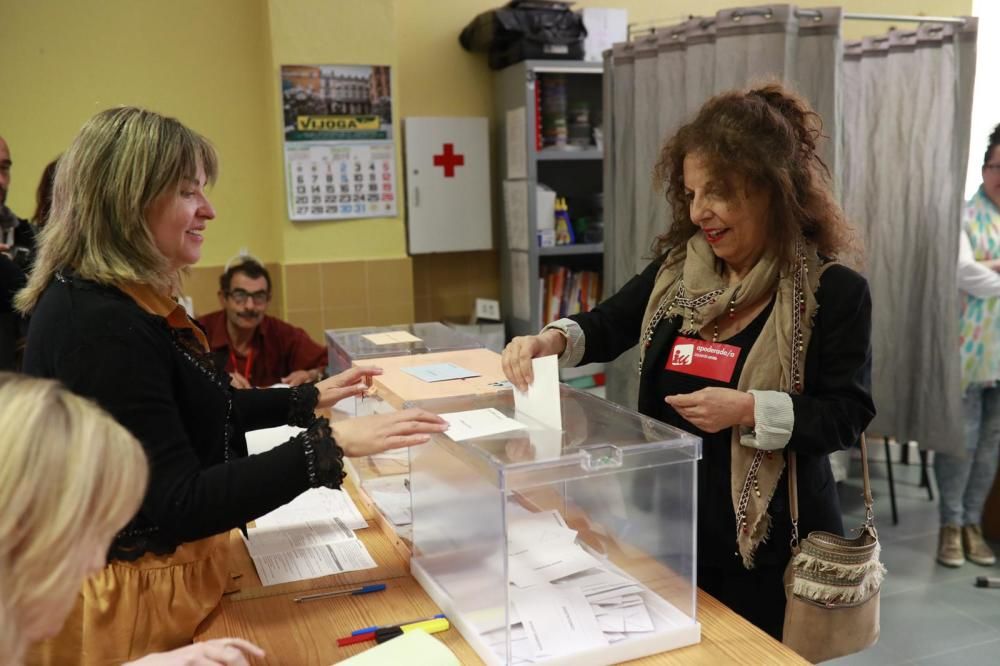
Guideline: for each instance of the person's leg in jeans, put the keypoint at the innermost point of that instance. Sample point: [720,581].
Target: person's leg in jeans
[952,474]
[981,474]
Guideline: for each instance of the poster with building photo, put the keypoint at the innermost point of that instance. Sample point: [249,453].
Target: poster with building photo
[340,154]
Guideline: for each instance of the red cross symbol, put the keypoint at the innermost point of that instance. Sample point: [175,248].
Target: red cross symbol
[449,160]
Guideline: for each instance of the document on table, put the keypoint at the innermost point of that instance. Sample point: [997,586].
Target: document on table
[314,562]
[315,504]
[478,423]
[311,536]
[541,400]
[391,338]
[439,372]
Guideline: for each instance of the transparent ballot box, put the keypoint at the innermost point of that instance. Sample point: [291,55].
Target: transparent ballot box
[347,345]
[572,546]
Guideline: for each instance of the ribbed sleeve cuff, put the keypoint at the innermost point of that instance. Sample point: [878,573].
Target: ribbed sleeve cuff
[774,415]
[576,342]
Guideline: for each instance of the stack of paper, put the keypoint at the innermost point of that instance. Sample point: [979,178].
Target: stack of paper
[563,599]
[311,536]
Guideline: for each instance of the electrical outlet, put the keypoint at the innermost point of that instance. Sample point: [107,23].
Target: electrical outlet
[487,308]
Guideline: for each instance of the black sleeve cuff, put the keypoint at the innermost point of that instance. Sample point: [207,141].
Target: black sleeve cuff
[302,405]
[324,459]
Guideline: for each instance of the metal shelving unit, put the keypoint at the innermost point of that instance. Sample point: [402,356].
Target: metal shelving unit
[569,172]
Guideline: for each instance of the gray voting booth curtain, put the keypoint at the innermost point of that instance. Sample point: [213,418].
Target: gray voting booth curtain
[653,85]
[906,110]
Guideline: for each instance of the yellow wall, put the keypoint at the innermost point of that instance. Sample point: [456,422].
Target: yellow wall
[320,32]
[199,61]
[215,66]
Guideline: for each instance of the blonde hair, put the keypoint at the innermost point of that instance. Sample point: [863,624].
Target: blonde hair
[121,161]
[69,475]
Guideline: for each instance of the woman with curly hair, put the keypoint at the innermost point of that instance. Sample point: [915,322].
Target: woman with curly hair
[752,335]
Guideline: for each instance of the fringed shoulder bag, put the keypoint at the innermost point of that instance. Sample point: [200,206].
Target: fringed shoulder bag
[832,583]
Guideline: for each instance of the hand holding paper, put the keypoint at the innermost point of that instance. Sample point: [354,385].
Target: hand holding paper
[541,400]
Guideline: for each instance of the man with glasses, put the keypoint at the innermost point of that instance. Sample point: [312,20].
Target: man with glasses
[258,350]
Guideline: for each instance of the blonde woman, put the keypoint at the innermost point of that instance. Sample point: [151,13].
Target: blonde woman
[128,216]
[70,478]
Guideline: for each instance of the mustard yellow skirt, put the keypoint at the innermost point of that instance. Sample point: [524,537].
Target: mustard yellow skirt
[131,609]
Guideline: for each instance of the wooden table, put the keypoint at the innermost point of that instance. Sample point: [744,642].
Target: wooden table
[396,387]
[301,634]
[305,634]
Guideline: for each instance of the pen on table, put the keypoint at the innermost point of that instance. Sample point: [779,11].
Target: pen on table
[368,630]
[377,587]
[382,634]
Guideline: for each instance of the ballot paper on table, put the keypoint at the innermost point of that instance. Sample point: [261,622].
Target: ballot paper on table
[478,423]
[541,401]
[439,372]
[391,338]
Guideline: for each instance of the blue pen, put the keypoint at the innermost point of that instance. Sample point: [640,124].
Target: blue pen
[370,629]
[376,587]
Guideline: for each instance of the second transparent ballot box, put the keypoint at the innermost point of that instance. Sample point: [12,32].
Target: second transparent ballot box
[572,546]
[348,345]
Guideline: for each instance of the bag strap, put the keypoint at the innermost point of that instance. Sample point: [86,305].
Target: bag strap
[793,494]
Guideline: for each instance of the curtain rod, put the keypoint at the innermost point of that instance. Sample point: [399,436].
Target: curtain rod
[649,27]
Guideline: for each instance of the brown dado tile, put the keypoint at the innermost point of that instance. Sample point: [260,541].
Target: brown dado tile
[351,317]
[389,280]
[303,287]
[310,320]
[386,314]
[345,284]
[277,306]
[201,283]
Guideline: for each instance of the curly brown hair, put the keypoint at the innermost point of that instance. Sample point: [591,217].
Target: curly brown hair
[767,137]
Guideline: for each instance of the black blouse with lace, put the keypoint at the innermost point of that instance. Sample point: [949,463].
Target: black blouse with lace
[157,382]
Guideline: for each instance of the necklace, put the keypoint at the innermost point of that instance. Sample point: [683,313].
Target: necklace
[715,324]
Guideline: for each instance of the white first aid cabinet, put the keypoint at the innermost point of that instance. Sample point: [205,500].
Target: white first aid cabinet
[447,184]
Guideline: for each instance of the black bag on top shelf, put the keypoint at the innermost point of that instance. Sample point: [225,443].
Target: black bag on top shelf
[525,30]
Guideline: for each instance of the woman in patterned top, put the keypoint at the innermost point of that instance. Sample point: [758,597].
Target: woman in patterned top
[964,481]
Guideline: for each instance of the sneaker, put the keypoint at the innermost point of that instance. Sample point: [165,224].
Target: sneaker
[950,546]
[975,547]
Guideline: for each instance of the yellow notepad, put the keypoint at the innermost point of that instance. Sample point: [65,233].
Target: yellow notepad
[414,648]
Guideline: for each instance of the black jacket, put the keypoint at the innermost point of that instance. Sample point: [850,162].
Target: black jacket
[99,343]
[833,410]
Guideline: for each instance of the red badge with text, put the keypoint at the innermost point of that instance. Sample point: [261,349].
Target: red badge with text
[709,360]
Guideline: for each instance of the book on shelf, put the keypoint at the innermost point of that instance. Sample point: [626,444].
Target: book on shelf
[565,292]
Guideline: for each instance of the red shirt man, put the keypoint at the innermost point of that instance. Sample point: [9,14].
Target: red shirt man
[258,350]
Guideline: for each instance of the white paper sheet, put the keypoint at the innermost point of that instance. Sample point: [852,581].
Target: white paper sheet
[517,143]
[391,338]
[312,505]
[634,618]
[558,621]
[541,400]
[515,205]
[549,562]
[439,372]
[273,540]
[265,439]
[313,562]
[478,423]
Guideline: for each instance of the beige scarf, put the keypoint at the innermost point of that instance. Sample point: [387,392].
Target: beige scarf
[688,285]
